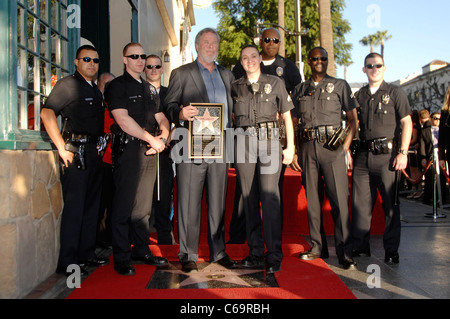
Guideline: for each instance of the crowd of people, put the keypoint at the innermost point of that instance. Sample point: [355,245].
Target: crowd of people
[429,135]
[118,168]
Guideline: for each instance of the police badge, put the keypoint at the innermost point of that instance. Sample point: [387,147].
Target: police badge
[385,99]
[279,71]
[330,87]
[267,88]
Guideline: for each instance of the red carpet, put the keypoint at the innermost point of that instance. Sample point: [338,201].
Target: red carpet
[297,280]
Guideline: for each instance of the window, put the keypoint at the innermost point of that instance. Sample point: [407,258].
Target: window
[42,47]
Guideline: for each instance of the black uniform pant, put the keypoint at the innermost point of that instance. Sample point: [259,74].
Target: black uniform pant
[192,179]
[258,175]
[372,173]
[81,194]
[326,170]
[134,178]
[162,207]
[237,224]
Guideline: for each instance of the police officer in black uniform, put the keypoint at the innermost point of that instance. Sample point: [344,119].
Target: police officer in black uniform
[385,133]
[161,213]
[274,64]
[258,155]
[319,104]
[135,108]
[80,103]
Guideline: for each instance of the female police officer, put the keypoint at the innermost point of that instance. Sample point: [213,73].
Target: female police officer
[257,100]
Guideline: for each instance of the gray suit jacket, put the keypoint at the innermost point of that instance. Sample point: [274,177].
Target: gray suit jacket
[186,86]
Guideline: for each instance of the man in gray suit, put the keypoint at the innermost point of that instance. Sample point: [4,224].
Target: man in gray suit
[202,81]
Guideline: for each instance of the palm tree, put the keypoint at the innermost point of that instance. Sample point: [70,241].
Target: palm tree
[382,36]
[281,50]
[326,33]
[370,40]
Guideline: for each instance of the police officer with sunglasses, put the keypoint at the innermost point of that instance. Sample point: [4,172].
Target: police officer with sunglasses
[322,150]
[274,64]
[143,132]
[385,133]
[79,102]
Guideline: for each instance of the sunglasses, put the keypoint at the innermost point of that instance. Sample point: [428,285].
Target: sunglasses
[371,66]
[136,56]
[322,58]
[274,40]
[88,59]
[436,118]
[153,67]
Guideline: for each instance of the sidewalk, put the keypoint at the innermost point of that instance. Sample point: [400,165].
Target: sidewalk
[424,259]
[421,274]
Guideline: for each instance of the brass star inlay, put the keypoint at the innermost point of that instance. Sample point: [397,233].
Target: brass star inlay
[212,275]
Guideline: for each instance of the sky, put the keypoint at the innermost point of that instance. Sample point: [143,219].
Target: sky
[419,29]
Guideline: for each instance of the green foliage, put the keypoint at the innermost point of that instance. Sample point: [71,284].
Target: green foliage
[238,19]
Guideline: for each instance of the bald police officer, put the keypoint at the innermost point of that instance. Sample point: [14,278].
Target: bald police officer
[135,106]
[320,102]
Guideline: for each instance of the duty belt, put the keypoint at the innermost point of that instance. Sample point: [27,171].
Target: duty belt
[80,138]
[264,131]
[321,133]
[377,145]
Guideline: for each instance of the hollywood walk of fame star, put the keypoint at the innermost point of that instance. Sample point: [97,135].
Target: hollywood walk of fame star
[206,121]
[209,276]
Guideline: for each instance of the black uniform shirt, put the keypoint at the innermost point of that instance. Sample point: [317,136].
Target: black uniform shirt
[380,114]
[74,98]
[322,104]
[142,103]
[283,68]
[251,108]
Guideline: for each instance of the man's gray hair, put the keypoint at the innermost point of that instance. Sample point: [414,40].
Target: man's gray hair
[206,30]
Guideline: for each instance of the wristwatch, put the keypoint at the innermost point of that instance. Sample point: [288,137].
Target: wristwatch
[404,152]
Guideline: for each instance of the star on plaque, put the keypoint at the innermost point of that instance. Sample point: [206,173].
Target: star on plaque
[206,121]
[211,276]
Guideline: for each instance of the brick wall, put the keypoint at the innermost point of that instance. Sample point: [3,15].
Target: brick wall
[30,214]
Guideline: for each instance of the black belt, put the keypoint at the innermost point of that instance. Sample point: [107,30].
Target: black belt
[321,133]
[377,145]
[264,130]
[81,138]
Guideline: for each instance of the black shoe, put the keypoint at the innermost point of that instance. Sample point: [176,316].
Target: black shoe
[189,266]
[61,270]
[152,260]
[124,268]
[348,263]
[309,255]
[361,252]
[254,262]
[273,267]
[392,258]
[96,262]
[227,262]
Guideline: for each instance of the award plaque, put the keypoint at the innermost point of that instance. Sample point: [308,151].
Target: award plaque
[206,131]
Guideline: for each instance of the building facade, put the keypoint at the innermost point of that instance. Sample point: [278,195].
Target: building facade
[39,39]
[426,90]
